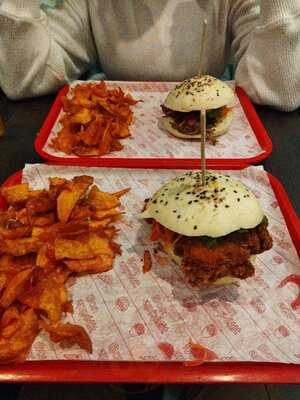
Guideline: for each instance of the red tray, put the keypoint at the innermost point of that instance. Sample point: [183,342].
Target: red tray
[249,110]
[162,372]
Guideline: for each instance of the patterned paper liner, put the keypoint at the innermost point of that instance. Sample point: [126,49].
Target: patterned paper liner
[128,313]
[150,140]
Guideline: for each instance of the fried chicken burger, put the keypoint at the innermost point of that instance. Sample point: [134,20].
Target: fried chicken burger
[183,104]
[212,232]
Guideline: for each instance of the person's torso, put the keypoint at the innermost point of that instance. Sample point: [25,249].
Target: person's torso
[159,39]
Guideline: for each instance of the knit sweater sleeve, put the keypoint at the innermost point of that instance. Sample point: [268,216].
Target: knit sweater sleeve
[40,52]
[267,49]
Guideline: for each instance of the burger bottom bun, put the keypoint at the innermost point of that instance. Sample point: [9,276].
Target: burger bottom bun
[218,130]
[226,280]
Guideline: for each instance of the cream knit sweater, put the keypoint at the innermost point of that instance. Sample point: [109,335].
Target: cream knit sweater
[152,40]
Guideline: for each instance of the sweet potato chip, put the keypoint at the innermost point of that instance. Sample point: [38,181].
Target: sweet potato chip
[71,248]
[36,193]
[101,263]
[10,315]
[83,181]
[5,261]
[86,247]
[56,182]
[22,216]
[103,214]
[73,229]
[56,185]
[52,299]
[3,280]
[46,236]
[86,151]
[68,198]
[46,233]
[15,348]
[67,307]
[121,193]
[44,220]
[91,135]
[10,263]
[99,225]
[15,288]
[41,203]
[95,119]
[15,233]
[22,246]
[10,329]
[60,275]
[200,353]
[83,116]
[64,141]
[66,202]
[81,212]
[10,322]
[45,256]
[47,296]
[110,232]
[37,232]
[99,245]
[15,194]
[69,333]
[116,248]
[102,200]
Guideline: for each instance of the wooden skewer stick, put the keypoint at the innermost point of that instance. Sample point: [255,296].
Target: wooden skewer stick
[203,42]
[203,140]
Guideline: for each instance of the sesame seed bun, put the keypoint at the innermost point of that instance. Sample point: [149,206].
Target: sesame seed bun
[225,205]
[219,129]
[199,93]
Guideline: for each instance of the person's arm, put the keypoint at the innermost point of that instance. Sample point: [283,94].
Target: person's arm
[267,49]
[39,52]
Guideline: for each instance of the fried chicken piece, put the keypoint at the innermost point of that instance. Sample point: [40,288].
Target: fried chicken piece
[206,262]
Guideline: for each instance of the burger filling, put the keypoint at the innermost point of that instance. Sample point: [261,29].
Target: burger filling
[189,122]
[206,259]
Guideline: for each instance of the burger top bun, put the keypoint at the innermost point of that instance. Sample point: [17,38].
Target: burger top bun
[199,93]
[219,129]
[225,205]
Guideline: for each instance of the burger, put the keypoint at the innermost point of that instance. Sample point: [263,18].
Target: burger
[212,232]
[182,107]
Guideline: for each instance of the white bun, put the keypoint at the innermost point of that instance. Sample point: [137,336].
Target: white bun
[225,205]
[199,93]
[219,129]
[226,280]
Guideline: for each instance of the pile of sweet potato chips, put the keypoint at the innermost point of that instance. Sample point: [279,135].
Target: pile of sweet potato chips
[95,119]
[46,236]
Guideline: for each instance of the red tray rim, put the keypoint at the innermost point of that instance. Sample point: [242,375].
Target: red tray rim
[254,120]
[162,372]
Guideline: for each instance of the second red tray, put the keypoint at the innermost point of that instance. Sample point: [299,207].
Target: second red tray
[152,150]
